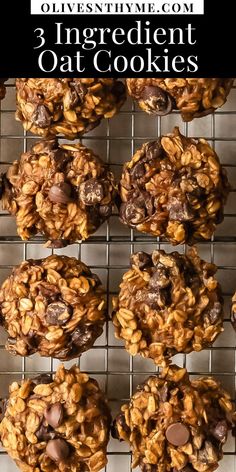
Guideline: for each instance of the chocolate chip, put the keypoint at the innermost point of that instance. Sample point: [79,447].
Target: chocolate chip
[179,210]
[6,187]
[93,216]
[10,341]
[156,299]
[233,319]
[208,454]
[84,336]
[58,450]
[203,112]
[41,116]
[141,260]
[189,272]
[154,150]
[160,279]
[96,279]
[31,339]
[215,314]
[49,291]
[154,281]
[44,433]
[120,419]
[61,158]
[219,216]
[105,211]
[148,298]
[54,415]
[149,203]
[60,193]
[58,243]
[156,258]
[64,354]
[50,144]
[91,192]
[132,214]
[5,404]
[91,125]
[42,379]
[58,313]
[35,262]
[157,100]
[196,192]
[74,97]
[164,393]
[177,434]
[118,89]
[220,431]
[143,199]
[80,89]
[114,431]
[138,171]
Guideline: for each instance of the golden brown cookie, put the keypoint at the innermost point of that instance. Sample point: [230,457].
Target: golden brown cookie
[175,424]
[70,107]
[64,192]
[174,187]
[54,306]
[194,98]
[168,304]
[57,425]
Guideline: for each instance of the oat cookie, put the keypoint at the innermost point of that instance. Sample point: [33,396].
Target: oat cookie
[174,187]
[54,306]
[193,97]
[59,425]
[168,304]
[2,88]
[63,191]
[70,107]
[173,424]
[233,312]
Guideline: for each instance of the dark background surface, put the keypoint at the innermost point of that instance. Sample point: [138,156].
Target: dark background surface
[215,37]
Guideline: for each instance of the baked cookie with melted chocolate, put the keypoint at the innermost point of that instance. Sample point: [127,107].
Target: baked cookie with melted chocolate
[175,424]
[193,97]
[64,192]
[54,307]
[174,187]
[55,425]
[69,107]
[168,304]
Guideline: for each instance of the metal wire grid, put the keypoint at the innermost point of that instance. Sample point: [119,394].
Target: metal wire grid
[108,252]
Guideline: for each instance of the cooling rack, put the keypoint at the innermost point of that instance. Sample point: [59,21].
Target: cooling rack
[108,253]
